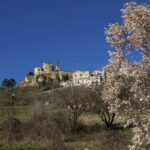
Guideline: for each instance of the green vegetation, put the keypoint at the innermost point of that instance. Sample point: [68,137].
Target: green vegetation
[84,118]
[8,83]
[30,73]
[49,84]
[31,119]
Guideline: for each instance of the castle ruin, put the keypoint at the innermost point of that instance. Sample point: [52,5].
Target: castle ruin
[51,72]
[47,71]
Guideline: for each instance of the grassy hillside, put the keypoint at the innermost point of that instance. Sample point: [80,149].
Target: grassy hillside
[30,120]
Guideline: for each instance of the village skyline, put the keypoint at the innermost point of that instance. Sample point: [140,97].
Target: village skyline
[71,32]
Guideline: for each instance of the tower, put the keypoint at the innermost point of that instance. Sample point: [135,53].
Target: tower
[48,68]
[57,68]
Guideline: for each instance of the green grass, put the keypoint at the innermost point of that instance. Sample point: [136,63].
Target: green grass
[102,140]
[25,147]
[22,113]
[92,135]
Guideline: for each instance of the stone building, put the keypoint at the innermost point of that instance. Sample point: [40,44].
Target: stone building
[80,74]
[52,72]
[48,68]
[47,71]
[38,71]
[86,78]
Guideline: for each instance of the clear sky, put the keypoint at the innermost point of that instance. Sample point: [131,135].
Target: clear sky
[68,31]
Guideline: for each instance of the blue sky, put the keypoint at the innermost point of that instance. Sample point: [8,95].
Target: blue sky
[68,31]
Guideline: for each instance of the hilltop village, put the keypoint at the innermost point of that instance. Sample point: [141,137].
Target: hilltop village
[49,72]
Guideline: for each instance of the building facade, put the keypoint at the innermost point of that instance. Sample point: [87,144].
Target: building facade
[86,78]
[77,78]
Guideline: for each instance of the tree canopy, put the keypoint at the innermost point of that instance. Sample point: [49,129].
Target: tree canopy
[8,83]
[127,83]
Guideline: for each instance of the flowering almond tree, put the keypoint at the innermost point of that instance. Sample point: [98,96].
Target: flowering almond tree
[127,83]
